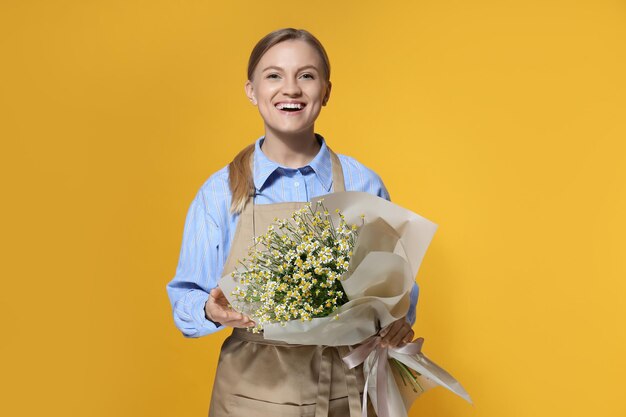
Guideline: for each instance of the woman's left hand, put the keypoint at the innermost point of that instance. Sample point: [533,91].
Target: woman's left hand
[397,333]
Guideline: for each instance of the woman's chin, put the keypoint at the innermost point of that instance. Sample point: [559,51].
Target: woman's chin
[291,130]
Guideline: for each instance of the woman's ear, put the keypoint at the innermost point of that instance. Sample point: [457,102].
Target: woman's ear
[250,92]
[327,95]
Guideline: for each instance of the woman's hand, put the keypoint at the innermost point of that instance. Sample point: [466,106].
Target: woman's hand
[397,333]
[217,310]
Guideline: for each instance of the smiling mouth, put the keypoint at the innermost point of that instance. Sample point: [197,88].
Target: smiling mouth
[290,108]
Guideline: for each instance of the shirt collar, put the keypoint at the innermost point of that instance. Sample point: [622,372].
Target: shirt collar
[265,167]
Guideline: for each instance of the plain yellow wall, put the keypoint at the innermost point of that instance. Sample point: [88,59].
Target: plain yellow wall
[502,122]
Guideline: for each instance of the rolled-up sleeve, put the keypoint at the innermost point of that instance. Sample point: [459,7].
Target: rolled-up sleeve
[196,273]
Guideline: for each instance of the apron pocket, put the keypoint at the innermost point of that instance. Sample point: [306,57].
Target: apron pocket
[239,406]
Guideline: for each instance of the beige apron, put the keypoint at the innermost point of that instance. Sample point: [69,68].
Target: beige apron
[259,377]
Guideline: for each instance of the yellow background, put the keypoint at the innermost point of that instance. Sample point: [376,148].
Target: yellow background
[502,122]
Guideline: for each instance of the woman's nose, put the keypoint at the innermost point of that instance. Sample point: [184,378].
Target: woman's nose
[291,87]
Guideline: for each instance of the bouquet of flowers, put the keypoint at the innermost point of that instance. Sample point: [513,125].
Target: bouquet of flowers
[336,273]
[294,269]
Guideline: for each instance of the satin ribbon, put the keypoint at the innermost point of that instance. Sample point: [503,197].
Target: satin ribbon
[359,354]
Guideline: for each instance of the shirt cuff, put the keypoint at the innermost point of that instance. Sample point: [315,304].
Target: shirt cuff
[205,316]
[206,326]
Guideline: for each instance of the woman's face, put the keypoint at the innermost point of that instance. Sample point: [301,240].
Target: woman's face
[289,87]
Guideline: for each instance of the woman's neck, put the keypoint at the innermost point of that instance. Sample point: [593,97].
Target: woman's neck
[290,151]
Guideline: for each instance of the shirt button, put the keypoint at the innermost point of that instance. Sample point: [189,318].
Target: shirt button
[297,184]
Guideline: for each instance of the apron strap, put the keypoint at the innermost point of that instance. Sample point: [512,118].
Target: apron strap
[338,180]
[325,380]
[323,384]
[354,397]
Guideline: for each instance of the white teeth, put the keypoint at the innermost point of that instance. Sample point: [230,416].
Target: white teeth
[281,106]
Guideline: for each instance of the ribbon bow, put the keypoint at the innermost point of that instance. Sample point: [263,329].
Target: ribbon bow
[373,345]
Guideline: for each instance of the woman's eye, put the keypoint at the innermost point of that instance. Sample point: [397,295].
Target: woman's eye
[308,75]
[272,76]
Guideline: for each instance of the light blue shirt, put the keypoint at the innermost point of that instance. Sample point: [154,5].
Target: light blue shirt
[210,227]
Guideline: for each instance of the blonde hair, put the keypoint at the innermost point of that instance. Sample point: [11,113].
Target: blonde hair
[240,179]
[239,173]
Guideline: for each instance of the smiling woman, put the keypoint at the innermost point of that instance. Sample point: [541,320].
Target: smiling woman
[289,82]
[290,74]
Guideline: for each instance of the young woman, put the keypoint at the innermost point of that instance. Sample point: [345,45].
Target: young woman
[289,82]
